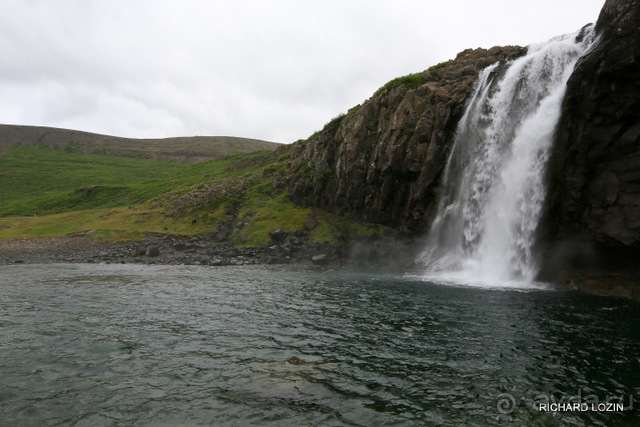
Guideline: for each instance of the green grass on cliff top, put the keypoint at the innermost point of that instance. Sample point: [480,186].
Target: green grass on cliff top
[412,81]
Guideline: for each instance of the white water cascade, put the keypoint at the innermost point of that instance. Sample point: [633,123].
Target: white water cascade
[493,184]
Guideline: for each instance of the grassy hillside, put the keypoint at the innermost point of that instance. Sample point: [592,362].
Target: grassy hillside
[49,192]
[193,149]
[40,180]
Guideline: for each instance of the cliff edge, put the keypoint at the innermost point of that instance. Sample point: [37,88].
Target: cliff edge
[381,162]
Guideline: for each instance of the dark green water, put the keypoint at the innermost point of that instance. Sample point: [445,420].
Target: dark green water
[104,344]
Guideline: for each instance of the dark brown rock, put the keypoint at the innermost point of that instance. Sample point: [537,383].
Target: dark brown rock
[279,235]
[310,224]
[152,251]
[595,166]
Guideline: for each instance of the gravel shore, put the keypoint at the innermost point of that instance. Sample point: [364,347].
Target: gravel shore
[172,250]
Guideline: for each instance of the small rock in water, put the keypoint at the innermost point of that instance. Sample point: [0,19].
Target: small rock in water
[295,361]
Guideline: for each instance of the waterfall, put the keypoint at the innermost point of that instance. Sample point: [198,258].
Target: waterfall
[493,184]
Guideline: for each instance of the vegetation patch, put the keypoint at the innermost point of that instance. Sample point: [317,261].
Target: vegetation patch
[332,125]
[118,224]
[412,81]
[41,180]
[210,193]
[55,192]
[440,65]
[265,215]
[334,228]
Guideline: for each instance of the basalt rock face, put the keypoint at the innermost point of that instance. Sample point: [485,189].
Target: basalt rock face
[381,162]
[595,166]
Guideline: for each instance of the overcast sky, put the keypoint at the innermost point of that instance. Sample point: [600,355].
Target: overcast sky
[275,70]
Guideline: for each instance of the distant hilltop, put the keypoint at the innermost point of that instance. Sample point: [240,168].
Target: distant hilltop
[194,149]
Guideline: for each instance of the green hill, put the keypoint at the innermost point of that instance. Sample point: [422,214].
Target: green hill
[54,188]
[194,149]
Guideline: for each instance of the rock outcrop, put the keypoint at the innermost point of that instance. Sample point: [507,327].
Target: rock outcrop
[381,162]
[595,167]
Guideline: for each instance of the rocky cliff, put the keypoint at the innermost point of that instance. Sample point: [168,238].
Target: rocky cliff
[595,168]
[381,162]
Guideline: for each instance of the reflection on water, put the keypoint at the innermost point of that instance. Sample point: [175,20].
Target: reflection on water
[166,345]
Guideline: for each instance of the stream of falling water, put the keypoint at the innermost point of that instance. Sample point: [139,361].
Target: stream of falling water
[493,185]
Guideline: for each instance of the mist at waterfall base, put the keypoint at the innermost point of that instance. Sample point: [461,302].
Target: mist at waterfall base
[493,185]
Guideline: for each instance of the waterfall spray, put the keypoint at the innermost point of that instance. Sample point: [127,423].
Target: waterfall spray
[493,183]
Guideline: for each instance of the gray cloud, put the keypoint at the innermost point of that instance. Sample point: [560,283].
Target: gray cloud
[275,70]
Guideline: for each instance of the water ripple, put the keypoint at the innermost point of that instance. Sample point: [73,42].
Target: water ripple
[106,344]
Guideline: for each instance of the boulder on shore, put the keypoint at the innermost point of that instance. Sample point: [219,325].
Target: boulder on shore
[152,251]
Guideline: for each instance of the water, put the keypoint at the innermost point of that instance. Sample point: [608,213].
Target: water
[493,185]
[93,345]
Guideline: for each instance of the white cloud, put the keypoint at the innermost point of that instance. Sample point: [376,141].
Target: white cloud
[275,70]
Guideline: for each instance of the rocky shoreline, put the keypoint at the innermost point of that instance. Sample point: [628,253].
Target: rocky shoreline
[178,250]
